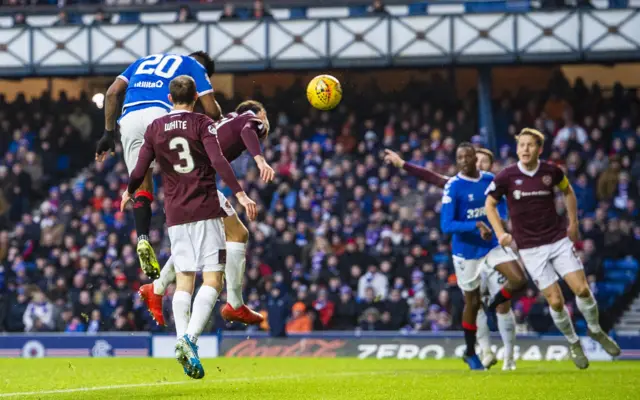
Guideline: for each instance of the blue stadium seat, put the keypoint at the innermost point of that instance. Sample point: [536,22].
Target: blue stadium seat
[628,263]
[129,17]
[618,276]
[64,163]
[417,9]
[608,263]
[298,12]
[357,11]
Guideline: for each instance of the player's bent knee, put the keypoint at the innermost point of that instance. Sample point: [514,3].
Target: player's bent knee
[583,291]
[235,231]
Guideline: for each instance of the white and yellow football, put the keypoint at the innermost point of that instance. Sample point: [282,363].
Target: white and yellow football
[324,92]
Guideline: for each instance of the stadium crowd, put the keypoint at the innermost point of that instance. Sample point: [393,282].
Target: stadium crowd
[343,241]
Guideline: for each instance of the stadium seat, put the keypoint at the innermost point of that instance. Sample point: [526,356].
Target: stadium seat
[418,9]
[298,12]
[358,11]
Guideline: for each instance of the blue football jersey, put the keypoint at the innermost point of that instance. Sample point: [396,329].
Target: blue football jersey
[148,79]
[462,207]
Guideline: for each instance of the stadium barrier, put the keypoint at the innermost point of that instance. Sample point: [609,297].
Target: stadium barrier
[325,344]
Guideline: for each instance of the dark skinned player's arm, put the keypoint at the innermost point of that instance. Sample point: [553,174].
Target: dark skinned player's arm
[426,175]
[211,107]
[112,103]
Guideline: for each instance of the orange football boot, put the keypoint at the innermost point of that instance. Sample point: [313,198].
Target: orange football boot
[243,314]
[153,302]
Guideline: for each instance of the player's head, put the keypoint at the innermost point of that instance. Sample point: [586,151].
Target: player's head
[530,144]
[485,159]
[466,159]
[257,108]
[205,60]
[182,91]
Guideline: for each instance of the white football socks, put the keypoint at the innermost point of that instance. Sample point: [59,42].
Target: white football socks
[202,306]
[167,276]
[181,306]
[507,328]
[483,334]
[564,324]
[234,272]
[589,309]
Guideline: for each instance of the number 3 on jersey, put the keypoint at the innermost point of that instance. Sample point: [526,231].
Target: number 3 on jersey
[182,146]
[164,66]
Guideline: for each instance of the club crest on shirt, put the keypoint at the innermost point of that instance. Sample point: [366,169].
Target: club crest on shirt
[470,196]
[518,182]
[547,180]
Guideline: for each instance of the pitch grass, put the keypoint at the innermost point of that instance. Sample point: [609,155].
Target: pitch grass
[302,379]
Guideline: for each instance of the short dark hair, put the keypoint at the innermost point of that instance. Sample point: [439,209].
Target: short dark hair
[467,145]
[249,105]
[183,90]
[205,59]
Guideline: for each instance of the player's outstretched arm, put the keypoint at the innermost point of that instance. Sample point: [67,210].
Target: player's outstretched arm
[107,143]
[433,178]
[211,107]
[249,136]
[223,168]
[571,203]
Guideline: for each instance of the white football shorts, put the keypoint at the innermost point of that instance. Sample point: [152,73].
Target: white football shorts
[198,246]
[468,271]
[132,128]
[225,205]
[546,263]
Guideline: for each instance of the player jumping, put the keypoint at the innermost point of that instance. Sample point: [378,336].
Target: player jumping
[145,84]
[544,238]
[492,281]
[237,132]
[187,148]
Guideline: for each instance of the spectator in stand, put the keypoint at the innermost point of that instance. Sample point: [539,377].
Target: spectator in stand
[229,13]
[324,308]
[377,7]
[19,20]
[375,280]
[99,18]
[259,10]
[63,19]
[278,311]
[346,312]
[185,14]
[570,132]
[300,321]
[39,315]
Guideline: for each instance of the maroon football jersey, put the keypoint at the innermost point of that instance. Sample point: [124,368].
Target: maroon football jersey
[186,147]
[240,132]
[531,202]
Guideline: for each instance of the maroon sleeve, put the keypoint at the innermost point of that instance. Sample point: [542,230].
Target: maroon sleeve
[209,137]
[426,175]
[250,138]
[557,175]
[145,158]
[499,186]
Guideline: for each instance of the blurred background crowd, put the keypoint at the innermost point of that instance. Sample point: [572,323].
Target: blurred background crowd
[343,242]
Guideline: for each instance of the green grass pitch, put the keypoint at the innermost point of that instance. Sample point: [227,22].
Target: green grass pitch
[302,379]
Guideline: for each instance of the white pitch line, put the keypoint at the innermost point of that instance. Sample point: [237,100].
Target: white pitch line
[208,382]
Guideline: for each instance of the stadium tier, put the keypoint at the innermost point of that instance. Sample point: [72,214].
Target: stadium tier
[353,242]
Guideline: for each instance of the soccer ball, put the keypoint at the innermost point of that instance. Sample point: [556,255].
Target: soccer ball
[324,92]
